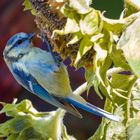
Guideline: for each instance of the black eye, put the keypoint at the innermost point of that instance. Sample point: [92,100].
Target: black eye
[19,42]
[20,55]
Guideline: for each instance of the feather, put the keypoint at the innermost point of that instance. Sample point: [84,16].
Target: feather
[30,83]
[44,69]
[92,109]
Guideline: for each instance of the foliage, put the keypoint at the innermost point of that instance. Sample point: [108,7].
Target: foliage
[107,49]
[27,123]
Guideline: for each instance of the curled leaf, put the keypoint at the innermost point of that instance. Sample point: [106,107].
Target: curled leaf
[81,6]
[129,43]
[28,123]
[70,27]
[89,24]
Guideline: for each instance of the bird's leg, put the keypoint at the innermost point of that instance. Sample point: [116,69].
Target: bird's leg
[45,39]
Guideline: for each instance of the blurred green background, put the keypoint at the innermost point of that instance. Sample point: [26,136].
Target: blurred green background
[113,8]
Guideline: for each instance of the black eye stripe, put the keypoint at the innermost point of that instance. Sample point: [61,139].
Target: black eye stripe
[18,42]
[15,45]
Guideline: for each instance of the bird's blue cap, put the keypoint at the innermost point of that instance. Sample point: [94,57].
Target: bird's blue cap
[18,36]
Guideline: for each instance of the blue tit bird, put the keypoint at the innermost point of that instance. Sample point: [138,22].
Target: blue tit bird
[38,72]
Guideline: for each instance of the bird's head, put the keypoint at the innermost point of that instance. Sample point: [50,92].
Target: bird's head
[18,46]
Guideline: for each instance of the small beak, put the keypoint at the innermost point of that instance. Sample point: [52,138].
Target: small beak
[31,35]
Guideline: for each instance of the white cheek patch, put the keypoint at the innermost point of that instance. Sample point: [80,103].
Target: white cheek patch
[13,54]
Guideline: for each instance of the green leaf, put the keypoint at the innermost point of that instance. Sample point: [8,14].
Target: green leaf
[121,81]
[14,125]
[81,6]
[116,26]
[129,43]
[28,5]
[92,80]
[110,130]
[118,58]
[85,46]
[121,84]
[132,6]
[116,130]
[70,27]
[95,38]
[133,130]
[89,24]
[69,12]
[31,134]
[20,123]
[101,54]
[28,123]
[14,109]
[136,99]
[101,64]
[12,137]
[76,37]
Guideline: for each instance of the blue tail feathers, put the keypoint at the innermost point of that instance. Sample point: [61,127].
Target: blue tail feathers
[93,109]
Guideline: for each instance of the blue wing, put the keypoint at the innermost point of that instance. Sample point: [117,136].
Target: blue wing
[48,74]
[31,84]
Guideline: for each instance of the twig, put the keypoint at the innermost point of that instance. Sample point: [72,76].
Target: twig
[111,71]
[81,89]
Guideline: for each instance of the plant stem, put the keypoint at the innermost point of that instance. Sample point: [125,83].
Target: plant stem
[111,71]
[81,89]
